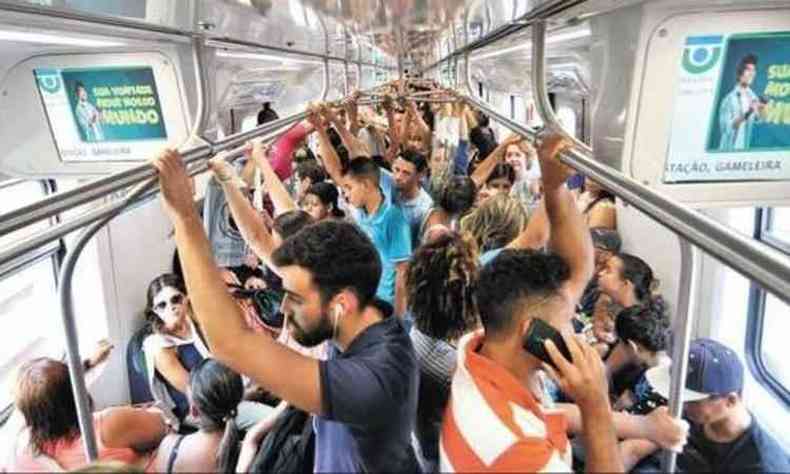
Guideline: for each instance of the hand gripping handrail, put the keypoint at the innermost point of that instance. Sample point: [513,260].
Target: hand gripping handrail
[753,259]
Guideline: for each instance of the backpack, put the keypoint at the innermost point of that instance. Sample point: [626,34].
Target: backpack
[139,388]
[289,446]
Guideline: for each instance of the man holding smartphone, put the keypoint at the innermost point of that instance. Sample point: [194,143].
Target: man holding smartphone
[495,420]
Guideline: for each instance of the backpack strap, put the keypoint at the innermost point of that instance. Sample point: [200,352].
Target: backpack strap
[171,460]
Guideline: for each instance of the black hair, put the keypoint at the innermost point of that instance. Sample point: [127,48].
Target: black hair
[644,324]
[503,170]
[216,392]
[483,139]
[291,222]
[457,195]
[427,115]
[311,170]
[510,279]
[328,195]
[168,279]
[79,85]
[381,162]
[414,157]
[363,168]
[606,239]
[745,61]
[338,255]
[440,285]
[639,273]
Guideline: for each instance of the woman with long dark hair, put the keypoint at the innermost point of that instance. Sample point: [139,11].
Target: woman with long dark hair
[215,392]
[174,347]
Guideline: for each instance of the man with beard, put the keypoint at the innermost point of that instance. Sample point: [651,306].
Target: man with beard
[365,395]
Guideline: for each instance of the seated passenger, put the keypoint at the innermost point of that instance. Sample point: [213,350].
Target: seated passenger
[365,395]
[607,243]
[441,284]
[51,440]
[624,281]
[495,421]
[321,202]
[643,339]
[174,348]
[214,394]
[455,199]
[724,436]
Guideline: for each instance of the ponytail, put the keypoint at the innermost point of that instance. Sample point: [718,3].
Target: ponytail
[229,446]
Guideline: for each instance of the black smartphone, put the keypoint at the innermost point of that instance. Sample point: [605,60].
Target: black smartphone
[534,340]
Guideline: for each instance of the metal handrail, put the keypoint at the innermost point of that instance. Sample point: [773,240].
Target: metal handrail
[57,203]
[540,91]
[754,260]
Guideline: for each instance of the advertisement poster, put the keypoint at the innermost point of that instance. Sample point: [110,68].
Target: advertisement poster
[103,114]
[731,118]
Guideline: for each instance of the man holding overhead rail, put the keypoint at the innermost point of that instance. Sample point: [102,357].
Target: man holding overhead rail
[365,395]
[495,421]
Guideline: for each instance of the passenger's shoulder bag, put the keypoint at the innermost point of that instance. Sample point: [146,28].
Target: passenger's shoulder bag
[289,446]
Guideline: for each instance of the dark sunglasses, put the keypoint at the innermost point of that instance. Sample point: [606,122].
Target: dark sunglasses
[174,300]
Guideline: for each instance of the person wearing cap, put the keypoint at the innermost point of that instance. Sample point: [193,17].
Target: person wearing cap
[724,436]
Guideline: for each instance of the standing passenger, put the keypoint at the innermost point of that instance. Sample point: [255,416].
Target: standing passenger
[365,394]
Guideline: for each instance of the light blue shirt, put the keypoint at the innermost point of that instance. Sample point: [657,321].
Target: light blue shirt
[390,233]
[734,105]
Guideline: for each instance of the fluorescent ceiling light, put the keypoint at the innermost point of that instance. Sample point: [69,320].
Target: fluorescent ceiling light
[578,33]
[44,38]
[266,57]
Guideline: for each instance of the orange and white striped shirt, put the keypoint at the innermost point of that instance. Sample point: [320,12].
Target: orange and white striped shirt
[494,424]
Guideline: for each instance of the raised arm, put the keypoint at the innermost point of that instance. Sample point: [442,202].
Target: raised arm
[287,374]
[392,128]
[570,237]
[249,222]
[484,170]
[354,146]
[283,202]
[327,152]
[536,234]
[351,108]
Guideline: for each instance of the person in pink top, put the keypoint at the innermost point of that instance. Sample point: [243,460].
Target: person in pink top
[51,439]
[282,151]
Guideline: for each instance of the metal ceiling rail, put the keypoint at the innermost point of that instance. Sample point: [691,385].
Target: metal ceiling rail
[63,201]
[139,25]
[544,10]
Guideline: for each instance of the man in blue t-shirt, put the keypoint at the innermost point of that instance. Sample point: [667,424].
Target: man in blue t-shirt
[724,436]
[384,223]
[364,396]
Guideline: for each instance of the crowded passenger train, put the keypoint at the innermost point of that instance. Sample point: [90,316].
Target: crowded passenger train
[394,235]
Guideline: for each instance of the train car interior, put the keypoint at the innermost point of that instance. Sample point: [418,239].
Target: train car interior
[670,118]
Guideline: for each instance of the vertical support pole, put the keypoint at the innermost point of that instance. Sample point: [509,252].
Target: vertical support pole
[203,87]
[73,359]
[684,320]
[325,87]
[539,90]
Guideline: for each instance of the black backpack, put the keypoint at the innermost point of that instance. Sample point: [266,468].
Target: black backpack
[289,446]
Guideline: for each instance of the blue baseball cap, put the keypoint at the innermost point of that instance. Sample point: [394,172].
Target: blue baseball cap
[713,369]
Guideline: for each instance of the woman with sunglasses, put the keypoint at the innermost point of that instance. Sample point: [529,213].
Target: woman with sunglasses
[173,349]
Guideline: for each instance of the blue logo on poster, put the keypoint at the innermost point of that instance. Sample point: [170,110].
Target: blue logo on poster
[49,82]
[702,53]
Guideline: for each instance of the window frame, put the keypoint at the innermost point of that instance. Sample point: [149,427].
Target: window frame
[756,313]
[55,251]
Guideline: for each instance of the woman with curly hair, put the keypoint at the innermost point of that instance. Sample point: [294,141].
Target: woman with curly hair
[440,286]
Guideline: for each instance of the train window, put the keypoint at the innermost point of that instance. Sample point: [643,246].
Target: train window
[766,347]
[28,296]
[567,118]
